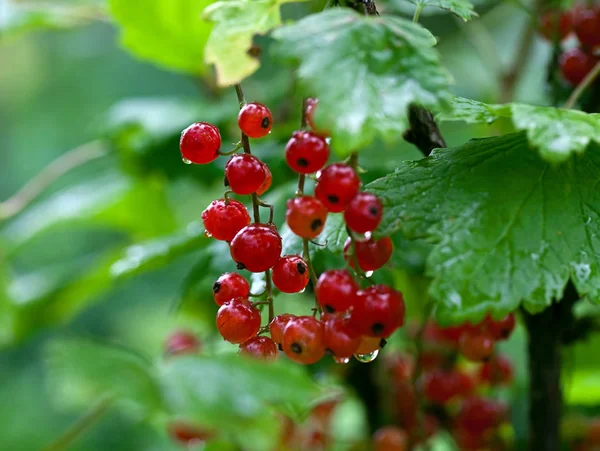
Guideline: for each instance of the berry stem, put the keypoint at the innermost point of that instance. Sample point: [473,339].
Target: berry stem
[270,207]
[417,14]
[237,147]
[581,87]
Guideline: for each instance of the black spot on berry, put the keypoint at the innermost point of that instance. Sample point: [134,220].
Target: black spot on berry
[505,333]
[240,266]
[382,343]
[374,210]
[329,309]
[377,328]
[486,359]
[302,162]
[333,199]
[316,224]
[296,348]
[301,268]
[225,181]
[329,352]
[265,122]
[280,347]
[216,287]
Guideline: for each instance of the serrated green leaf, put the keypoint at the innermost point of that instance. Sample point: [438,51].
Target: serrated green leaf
[508,227]
[236,23]
[371,69]
[473,112]
[462,8]
[169,33]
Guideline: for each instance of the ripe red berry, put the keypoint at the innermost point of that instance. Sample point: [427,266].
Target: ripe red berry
[187,434]
[440,385]
[311,108]
[498,371]
[290,274]
[261,348]
[379,311]
[336,290]
[182,342]
[587,25]
[306,216]
[371,254]
[556,25]
[229,286]
[200,143]
[390,438]
[238,321]
[255,120]
[501,329]
[278,325]
[336,186]
[244,173]
[340,338]
[303,340]
[369,344]
[306,152]
[575,64]
[363,213]
[477,414]
[444,337]
[267,183]
[477,346]
[222,219]
[256,247]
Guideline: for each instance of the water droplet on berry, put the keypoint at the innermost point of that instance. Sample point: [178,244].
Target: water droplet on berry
[368,273]
[341,360]
[186,161]
[302,290]
[367,358]
[207,234]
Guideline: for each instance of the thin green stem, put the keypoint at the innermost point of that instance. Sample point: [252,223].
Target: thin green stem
[271,209]
[237,147]
[581,87]
[270,294]
[240,94]
[417,14]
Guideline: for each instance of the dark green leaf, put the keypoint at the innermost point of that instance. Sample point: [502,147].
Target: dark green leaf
[371,69]
[508,227]
[462,8]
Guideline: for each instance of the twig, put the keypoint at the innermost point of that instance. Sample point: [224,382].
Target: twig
[581,87]
[423,132]
[59,167]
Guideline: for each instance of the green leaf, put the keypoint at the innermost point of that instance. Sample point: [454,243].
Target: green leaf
[508,227]
[236,22]
[462,8]
[82,372]
[473,112]
[371,69]
[169,33]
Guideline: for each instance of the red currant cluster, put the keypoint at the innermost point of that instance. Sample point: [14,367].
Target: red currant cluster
[584,22]
[355,320]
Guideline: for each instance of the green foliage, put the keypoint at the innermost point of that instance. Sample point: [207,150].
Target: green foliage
[165,32]
[371,69]
[462,8]
[508,227]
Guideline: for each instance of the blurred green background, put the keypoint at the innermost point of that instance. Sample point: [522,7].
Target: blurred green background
[114,248]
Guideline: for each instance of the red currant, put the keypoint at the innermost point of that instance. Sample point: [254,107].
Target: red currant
[575,64]
[440,385]
[477,346]
[200,143]
[390,438]
[369,344]
[311,108]
[306,152]
[587,25]
[303,340]
[277,326]
[477,414]
[556,24]
[267,183]
[371,254]
[306,216]
[336,186]
[182,342]
[401,366]
[229,286]
[244,173]
[363,213]
[187,434]
[255,120]
[238,321]
[339,337]
[222,219]
[498,371]
[501,329]
[290,274]
[256,247]
[379,311]
[261,348]
[336,290]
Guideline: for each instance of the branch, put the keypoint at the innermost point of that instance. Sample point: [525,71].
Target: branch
[423,132]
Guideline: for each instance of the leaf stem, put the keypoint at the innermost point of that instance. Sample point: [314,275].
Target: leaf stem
[581,87]
[417,14]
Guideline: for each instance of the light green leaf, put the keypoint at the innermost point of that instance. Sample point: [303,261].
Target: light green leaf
[473,112]
[583,388]
[370,71]
[462,8]
[170,33]
[508,228]
[236,22]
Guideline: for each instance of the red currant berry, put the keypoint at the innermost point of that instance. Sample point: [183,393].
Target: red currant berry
[363,213]
[303,340]
[187,434]
[390,438]
[379,311]
[336,290]
[244,173]
[575,64]
[477,346]
[182,342]
[306,152]
[440,385]
[336,186]
[371,254]
[340,339]
[229,286]
[255,120]
[369,344]
[200,143]
[501,329]
[277,326]
[267,183]
[238,321]
[290,274]
[556,25]
[498,371]
[311,108]
[256,247]
[261,348]
[222,219]
[305,216]
[478,415]
[587,25]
